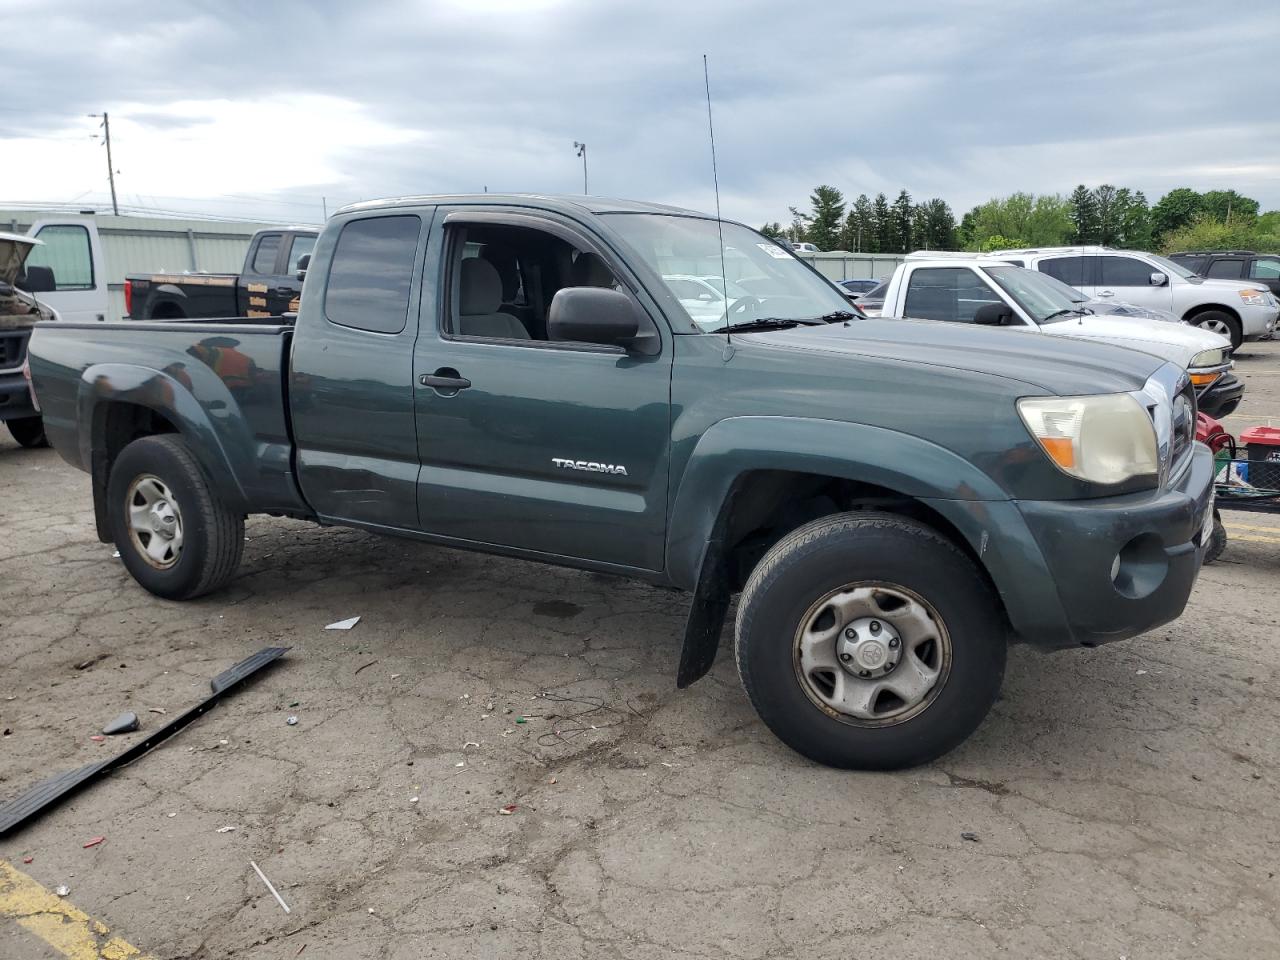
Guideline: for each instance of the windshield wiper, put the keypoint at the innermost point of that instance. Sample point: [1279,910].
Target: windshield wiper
[837,315]
[1065,311]
[775,323]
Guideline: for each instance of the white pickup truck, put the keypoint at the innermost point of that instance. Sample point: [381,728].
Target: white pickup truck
[993,292]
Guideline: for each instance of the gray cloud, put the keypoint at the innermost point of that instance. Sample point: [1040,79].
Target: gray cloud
[963,100]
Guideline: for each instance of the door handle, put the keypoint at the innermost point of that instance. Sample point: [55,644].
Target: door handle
[444,379]
[1106,293]
[289,290]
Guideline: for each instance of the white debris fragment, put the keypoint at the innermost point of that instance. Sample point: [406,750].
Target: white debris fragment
[62,890]
[461,763]
[343,624]
[116,555]
[413,799]
[1141,673]
[226,829]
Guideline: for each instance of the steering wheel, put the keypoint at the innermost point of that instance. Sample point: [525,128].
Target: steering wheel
[742,305]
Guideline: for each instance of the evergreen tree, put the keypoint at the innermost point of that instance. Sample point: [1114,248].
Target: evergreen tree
[901,235]
[940,225]
[1084,215]
[1135,222]
[857,225]
[773,230]
[826,217]
[882,225]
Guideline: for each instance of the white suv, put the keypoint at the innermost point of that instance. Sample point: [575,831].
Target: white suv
[1237,309]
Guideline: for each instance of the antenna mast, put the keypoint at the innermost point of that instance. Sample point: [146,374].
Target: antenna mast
[715,179]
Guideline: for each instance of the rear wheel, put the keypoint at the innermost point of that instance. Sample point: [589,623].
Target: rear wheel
[1217,539]
[1221,322]
[174,535]
[29,431]
[868,641]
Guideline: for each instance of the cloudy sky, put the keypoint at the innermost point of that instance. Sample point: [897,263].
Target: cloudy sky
[261,109]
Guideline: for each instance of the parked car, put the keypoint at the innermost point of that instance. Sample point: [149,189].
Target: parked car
[894,501]
[1262,268]
[804,248]
[20,311]
[266,286]
[1239,310]
[991,291]
[858,286]
[872,302]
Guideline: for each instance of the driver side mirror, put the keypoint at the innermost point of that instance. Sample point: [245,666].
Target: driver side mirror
[993,315]
[303,262]
[600,315]
[1158,279]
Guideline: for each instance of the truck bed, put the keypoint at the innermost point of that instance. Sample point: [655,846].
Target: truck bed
[219,382]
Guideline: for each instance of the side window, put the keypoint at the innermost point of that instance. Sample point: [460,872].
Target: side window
[371,273]
[302,247]
[1070,270]
[953,294]
[65,257]
[1265,269]
[1125,272]
[503,278]
[1226,269]
[264,257]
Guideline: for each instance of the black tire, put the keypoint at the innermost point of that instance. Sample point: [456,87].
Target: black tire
[1220,318]
[852,548]
[29,431]
[1217,539]
[212,534]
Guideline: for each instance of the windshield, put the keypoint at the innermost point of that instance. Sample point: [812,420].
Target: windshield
[1044,301]
[1067,290]
[763,280]
[1176,269]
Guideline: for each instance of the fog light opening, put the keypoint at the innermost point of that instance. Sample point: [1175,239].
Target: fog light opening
[1140,567]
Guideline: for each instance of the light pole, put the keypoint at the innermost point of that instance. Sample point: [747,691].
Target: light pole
[582,152]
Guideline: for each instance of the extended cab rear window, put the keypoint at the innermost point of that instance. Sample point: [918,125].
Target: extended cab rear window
[371,273]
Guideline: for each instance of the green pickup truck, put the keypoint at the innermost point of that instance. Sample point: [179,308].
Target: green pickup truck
[893,502]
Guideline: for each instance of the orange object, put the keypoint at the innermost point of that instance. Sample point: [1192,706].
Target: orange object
[94,842]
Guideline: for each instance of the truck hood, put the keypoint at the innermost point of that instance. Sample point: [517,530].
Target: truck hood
[1216,283]
[1065,367]
[14,249]
[1171,341]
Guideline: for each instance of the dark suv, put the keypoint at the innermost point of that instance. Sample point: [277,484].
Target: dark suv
[1261,268]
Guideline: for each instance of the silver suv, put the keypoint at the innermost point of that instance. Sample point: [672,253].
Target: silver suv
[1238,309]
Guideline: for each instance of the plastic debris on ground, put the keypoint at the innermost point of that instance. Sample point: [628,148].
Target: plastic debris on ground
[508,810]
[94,842]
[291,721]
[125,723]
[227,829]
[98,738]
[28,859]
[62,890]
[343,624]
[968,835]
[263,877]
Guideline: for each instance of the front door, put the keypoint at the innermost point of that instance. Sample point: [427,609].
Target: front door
[1128,279]
[68,267]
[555,448]
[266,286]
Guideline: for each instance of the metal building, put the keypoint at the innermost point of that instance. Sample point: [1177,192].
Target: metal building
[151,244]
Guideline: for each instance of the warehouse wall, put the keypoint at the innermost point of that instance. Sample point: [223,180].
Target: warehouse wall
[133,245]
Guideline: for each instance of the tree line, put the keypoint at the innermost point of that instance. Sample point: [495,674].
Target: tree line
[1108,215]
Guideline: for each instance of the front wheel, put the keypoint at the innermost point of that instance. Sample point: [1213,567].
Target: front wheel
[1222,323]
[29,431]
[868,641]
[176,538]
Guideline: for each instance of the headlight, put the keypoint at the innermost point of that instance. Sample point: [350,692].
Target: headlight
[1104,439]
[1255,298]
[1210,358]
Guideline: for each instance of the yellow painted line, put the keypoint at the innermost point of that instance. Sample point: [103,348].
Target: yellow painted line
[1247,526]
[1251,539]
[60,924]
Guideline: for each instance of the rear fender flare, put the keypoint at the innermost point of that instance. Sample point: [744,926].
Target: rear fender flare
[163,393]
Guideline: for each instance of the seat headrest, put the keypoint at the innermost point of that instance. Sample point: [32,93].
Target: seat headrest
[590,271]
[504,259]
[481,288]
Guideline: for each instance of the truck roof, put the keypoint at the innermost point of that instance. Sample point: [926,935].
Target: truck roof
[563,202]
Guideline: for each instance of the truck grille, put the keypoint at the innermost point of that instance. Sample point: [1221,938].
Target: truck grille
[13,348]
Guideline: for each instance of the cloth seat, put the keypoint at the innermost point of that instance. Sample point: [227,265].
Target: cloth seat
[479,299]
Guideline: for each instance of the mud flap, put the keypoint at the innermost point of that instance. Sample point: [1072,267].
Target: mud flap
[706,619]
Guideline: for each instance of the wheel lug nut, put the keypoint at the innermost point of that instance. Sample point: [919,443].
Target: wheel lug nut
[846,657]
[894,643]
[864,673]
[851,633]
[875,626]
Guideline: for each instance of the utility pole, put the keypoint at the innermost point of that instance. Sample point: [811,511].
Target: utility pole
[582,152]
[111,170]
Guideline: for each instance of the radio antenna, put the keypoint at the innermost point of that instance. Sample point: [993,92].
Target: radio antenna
[715,179]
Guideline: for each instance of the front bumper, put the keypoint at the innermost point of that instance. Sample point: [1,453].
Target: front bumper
[1157,537]
[15,397]
[1258,320]
[1221,397]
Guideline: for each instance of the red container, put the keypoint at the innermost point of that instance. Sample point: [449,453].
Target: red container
[1263,443]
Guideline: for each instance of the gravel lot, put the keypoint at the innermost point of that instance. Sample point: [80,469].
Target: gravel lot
[1123,800]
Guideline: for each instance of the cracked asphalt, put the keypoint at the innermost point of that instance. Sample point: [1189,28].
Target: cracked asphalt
[1122,800]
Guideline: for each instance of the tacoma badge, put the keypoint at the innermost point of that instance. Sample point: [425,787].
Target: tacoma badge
[590,466]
